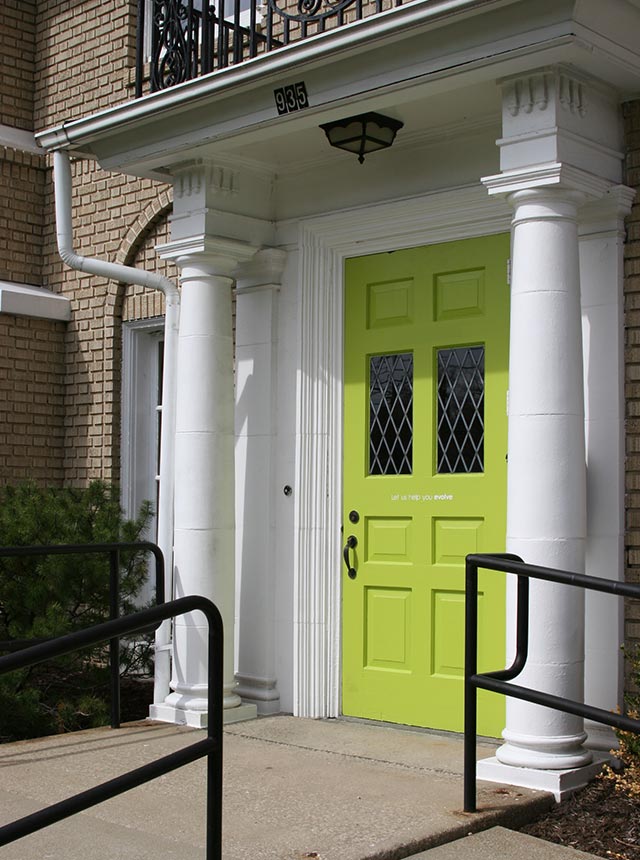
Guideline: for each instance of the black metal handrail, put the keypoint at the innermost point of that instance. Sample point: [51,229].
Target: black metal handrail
[497,681]
[211,747]
[113,549]
[189,38]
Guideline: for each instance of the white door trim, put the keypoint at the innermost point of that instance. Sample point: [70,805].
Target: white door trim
[324,243]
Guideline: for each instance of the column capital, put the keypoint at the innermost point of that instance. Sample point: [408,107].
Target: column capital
[608,212]
[556,113]
[562,177]
[264,269]
[218,197]
[217,254]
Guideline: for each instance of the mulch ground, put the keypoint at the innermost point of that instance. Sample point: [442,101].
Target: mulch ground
[599,820]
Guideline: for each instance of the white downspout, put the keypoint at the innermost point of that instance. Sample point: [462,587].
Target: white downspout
[130,275]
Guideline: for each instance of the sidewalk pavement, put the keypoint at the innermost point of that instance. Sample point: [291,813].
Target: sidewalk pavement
[294,789]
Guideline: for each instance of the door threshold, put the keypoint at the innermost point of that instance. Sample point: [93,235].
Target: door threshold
[443,733]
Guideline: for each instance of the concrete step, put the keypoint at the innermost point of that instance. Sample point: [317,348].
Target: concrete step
[498,842]
[293,789]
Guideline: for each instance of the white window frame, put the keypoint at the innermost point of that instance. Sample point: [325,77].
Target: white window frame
[140,376]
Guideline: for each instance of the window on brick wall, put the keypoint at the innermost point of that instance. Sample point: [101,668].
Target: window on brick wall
[142,363]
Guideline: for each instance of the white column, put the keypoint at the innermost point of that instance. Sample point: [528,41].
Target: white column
[602,236]
[546,507]
[204,457]
[257,493]
[560,148]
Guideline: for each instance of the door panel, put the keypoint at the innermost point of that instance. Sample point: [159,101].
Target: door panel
[426,339]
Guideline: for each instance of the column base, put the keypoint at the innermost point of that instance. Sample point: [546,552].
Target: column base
[261,692]
[560,783]
[544,752]
[167,713]
[599,737]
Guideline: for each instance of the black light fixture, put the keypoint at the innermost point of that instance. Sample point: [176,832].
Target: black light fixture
[362,134]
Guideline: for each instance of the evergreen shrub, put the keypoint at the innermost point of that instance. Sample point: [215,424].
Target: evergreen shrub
[46,596]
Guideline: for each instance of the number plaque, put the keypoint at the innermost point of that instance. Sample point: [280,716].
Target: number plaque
[291,97]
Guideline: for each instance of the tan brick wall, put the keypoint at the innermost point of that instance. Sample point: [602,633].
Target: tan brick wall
[138,302]
[632,371]
[31,400]
[22,179]
[84,59]
[117,219]
[17,53]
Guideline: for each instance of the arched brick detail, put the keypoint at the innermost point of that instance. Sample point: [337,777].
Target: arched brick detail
[142,228]
[158,209]
[149,303]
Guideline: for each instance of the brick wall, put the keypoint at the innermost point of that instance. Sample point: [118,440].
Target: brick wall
[22,182]
[31,400]
[632,371]
[84,64]
[138,302]
[120,220]
[17,52]
[83,58]
[68,60]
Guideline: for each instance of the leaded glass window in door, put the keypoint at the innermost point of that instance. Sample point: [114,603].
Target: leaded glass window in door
[461,410]
[391,414]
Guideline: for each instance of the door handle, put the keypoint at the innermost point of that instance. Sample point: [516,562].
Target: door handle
[352,543]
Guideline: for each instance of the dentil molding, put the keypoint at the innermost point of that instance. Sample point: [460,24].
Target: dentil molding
[194,176]
[534,91]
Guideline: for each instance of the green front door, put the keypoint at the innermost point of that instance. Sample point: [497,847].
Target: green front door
[425,441]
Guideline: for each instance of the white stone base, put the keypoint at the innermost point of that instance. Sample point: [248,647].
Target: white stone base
[600,737]
[261,692]
[245,711]
[560,783]
[265,708]
[164,713]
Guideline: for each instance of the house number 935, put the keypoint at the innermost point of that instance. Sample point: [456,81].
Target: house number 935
[291,98]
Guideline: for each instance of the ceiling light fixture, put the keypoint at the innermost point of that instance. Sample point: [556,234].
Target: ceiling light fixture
[362,134]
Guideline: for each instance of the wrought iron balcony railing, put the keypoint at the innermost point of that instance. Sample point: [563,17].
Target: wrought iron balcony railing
[183,39]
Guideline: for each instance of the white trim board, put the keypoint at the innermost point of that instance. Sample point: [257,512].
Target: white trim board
[26,300]
[20,140]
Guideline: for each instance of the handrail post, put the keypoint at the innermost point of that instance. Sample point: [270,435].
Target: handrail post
[114,644]
[211,747]
[470,691]
[497,681]
[214,732]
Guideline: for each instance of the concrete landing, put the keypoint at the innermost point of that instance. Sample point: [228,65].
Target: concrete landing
[294,789]
[499,842]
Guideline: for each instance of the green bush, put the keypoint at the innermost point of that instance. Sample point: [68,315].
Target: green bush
[45,596]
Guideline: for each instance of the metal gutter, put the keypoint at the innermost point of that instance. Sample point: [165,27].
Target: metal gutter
[355,36]
[131,275]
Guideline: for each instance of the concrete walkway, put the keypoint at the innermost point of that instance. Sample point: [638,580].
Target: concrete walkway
[294,790]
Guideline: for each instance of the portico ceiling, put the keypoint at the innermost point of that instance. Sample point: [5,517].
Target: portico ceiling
[436,73]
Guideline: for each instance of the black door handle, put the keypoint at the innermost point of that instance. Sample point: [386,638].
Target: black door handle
[352,543]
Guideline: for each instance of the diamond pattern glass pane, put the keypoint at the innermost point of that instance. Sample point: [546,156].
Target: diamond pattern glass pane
[391,414]
[461,410]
